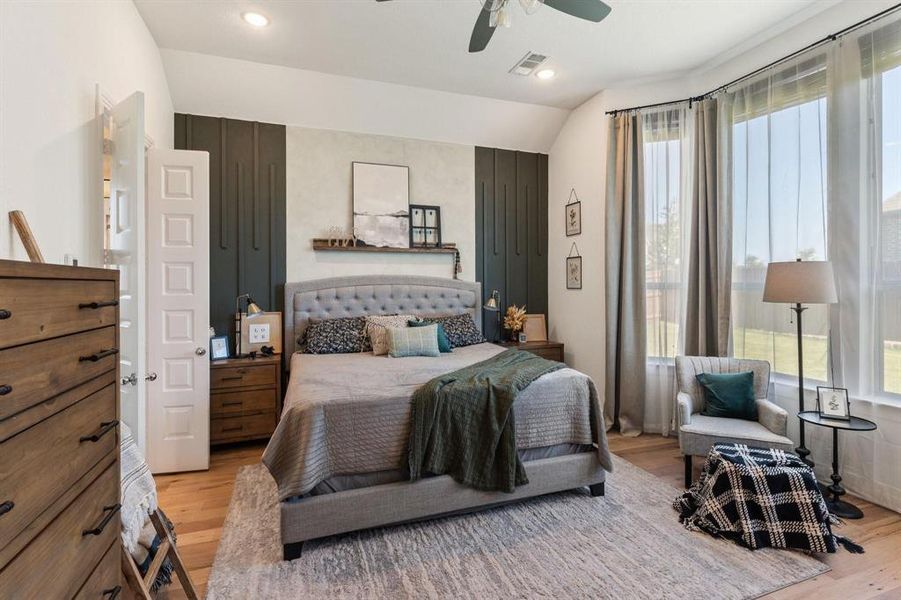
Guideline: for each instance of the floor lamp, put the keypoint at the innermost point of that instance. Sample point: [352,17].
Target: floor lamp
[798,283]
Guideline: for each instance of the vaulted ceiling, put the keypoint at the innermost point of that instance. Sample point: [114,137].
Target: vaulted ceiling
[424,42]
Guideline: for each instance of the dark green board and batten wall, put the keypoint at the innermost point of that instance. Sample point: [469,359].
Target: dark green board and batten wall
[247,210]
[511,193]
[247,218]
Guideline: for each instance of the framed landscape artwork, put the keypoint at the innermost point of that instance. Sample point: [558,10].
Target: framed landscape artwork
[381,195]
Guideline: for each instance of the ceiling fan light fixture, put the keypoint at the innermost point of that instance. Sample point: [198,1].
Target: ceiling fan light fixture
[530,6]
[545,74]
[256,19]
[502,17]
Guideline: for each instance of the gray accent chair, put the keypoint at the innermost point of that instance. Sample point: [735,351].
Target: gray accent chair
[698,433]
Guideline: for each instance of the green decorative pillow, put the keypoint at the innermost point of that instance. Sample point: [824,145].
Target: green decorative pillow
[413,341]
[444,344]
[729,395]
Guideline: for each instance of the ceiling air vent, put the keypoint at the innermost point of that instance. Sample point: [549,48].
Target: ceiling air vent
[527,65]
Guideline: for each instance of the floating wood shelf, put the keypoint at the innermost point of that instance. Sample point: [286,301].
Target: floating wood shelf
[323,245]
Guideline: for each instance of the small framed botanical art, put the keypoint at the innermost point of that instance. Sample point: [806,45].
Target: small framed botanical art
[832,403]
[573,214]
[425,226]
[574,273]
[219,347]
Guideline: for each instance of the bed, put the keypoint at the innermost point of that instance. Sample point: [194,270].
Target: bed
[338,453]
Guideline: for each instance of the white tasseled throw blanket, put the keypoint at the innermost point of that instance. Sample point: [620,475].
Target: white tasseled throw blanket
[138,492]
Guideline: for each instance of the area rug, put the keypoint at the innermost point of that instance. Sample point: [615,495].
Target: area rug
[627,544]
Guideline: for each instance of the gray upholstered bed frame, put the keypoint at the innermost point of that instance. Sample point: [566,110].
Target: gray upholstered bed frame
[329,514]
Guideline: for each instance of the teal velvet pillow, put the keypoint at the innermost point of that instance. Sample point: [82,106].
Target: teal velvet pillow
[729,395]
[444,344]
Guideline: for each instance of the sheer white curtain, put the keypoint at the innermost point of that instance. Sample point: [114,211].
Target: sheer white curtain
[779,136]
[864,89]
[666,156]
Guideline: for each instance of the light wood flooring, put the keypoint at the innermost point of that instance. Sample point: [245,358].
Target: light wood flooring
[197,504]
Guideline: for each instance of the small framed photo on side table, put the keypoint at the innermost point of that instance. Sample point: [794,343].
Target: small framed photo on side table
[832,403]
[219,347]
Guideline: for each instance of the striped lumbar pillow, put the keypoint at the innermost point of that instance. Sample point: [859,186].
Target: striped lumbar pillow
[413,341]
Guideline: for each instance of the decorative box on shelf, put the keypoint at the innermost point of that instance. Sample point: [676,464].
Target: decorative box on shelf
[245,398]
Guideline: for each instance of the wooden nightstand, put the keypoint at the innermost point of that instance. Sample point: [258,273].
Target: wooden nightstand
[245,398]
[548,350]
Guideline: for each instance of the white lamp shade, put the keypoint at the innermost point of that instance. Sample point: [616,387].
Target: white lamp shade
[800,282]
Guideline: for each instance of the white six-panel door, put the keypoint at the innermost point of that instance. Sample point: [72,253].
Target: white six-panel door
[178,310]
[126,253]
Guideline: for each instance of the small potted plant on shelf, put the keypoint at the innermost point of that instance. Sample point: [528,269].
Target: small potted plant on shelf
[515,320]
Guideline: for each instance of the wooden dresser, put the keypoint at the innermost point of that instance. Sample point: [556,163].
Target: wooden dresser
[548,350]
[59,438]
[245,398]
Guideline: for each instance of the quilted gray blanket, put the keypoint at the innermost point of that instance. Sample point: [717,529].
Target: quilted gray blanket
[347,414]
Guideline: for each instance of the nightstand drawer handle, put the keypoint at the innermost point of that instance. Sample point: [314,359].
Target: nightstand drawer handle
[98,355]
[113,593]
[105,428]
[4,314]
[238,403]
[5,389]
[110,513]
[230,429]
[233,378]
[96,305]
[6,507]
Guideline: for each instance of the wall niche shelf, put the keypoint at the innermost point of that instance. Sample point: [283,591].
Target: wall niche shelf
[322,245]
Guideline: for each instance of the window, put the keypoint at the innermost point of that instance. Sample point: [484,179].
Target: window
[779,212]
[665,226]
[889,269]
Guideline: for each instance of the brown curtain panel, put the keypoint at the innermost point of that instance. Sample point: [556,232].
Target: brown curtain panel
[710,251]
[625,277]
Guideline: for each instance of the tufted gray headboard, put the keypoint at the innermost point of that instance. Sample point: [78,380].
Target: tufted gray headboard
[363,295]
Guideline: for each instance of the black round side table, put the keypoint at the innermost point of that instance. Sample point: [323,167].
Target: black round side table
[836,505]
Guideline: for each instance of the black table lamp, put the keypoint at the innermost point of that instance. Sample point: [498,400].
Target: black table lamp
[798,283]
[251,309]
[493,304]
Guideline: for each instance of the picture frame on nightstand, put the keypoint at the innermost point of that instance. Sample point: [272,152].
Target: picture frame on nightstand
[219,347]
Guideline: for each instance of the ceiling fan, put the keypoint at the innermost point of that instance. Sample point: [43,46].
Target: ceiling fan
[496,13]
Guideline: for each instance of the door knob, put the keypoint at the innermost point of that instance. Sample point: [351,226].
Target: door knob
[150,376]
[132,379]
[200,351]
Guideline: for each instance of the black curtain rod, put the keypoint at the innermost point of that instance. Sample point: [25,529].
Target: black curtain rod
[827,39]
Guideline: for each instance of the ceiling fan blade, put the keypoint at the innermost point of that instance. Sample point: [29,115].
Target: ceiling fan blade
[590,10]
[481,32]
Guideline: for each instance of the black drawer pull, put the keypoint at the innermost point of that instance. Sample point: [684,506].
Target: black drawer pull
[5,389]
[98,355]
[96,305]
[105,428]
[6,507]
[233,378]
[231,429]
[4,314]
[110,513]
[237,403]
[113,593]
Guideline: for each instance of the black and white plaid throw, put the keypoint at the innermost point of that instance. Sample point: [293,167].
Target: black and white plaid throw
[760,497]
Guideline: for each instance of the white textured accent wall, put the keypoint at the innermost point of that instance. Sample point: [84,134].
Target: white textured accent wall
[319,195]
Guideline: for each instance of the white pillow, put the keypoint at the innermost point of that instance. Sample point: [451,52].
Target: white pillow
[377,329]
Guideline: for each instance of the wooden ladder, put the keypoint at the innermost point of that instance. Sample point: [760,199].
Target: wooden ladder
[141,585]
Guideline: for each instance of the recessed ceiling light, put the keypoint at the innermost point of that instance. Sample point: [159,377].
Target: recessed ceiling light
[545,74]
[255,19]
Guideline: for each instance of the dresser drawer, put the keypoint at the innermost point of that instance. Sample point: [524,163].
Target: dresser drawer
[33,373]
[37,309]
[232,377]
[235,429]
[106,578]
[244,402]
[37,465]
[70,547]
